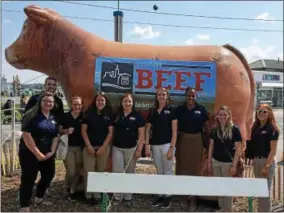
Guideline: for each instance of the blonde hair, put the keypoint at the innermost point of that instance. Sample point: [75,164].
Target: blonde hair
[227,132]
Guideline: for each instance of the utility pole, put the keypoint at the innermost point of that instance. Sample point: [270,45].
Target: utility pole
[118,24]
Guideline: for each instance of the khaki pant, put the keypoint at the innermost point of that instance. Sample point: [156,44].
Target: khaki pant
[94,164]
[123,160]
[264,204]
[73,165]
[221,169]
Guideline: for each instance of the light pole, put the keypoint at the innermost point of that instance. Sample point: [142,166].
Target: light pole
[118,24]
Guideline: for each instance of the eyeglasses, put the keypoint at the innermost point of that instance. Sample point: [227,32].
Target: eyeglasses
[261,111]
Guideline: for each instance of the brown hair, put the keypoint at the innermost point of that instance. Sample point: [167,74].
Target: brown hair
[162,89]
[30,114]
[76,97]
[120,107]
[271,118]
[107,110]
[50,78]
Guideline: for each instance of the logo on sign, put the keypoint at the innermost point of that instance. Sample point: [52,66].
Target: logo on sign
[144,76]
[117,77]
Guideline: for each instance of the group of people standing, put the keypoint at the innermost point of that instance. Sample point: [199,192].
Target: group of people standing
[168,133]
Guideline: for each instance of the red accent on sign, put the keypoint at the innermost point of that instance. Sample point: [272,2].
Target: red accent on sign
[145,80]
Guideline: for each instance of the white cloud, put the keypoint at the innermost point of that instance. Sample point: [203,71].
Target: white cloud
[197,40]
[189,41]
[172,41]
[255,52]
[264,16]
[203,37]
[255,41]
[144,32]
[7,21]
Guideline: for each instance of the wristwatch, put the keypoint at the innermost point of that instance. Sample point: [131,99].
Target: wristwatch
[172,147]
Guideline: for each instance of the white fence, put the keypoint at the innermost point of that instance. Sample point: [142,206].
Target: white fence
[9,140]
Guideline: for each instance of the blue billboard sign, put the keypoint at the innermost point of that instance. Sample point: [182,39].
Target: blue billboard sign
[144,76]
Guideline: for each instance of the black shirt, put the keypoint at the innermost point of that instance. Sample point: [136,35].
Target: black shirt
[98,125]
[126,129]
[191,121]
[259,146]
[57,110]
[224,150]
[43,131]
[67,121]
[161,125]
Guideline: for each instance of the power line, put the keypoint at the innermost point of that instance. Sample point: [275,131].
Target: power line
[174,14]
[163,25]
[33,79]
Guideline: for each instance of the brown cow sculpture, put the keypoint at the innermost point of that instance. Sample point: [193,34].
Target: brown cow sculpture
[54,46]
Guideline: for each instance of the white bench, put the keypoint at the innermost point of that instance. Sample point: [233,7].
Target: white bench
[176,185]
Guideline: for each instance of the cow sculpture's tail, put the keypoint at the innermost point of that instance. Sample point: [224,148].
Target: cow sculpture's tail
[249,119]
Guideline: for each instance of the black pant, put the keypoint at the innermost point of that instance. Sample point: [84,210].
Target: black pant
[30,167]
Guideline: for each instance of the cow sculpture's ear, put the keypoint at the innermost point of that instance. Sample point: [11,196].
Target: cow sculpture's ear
[38,15]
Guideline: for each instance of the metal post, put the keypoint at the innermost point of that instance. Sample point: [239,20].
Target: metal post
[250,206]
[118,25]
[257,93]
[13,136]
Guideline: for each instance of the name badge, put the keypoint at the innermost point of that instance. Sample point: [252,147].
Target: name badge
[167,112]
[263,132]
[132,118]
[106,118]
[197,112]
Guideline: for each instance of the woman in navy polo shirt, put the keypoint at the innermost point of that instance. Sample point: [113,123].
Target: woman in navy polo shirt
[192,124]
[262,149]
[128,141]
[36,150]
[97,132]
[71,125]
[163,123]
[224,151]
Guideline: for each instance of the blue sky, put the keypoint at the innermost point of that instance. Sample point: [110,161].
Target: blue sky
[254,45]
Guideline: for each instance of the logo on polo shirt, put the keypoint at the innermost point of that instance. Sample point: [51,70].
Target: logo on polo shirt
[53,122]
[263,132]
[117,77]
[167,112]
[106,118]
[197,112]
[132,118]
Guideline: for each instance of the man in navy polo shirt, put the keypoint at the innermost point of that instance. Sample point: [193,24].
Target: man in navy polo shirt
[50,86]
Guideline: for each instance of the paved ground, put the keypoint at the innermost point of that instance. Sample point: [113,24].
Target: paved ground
[6,129]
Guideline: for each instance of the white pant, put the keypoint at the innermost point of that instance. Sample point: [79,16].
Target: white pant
[122,158]
[162,164]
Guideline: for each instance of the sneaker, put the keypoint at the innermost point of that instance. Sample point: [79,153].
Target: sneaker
[166,203]
[127,203]
[157,201]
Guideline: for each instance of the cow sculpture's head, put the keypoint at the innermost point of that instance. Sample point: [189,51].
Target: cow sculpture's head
[30,49]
